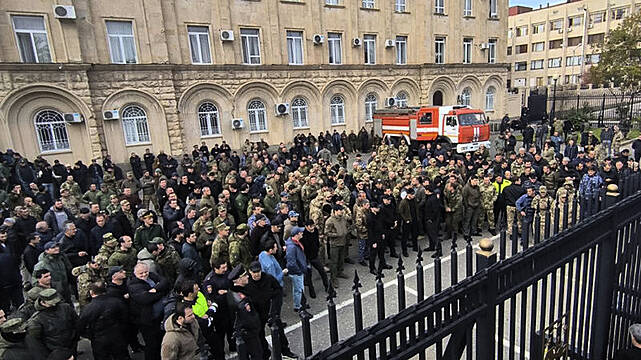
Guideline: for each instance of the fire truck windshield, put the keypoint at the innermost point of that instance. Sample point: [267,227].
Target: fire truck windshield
[471,119]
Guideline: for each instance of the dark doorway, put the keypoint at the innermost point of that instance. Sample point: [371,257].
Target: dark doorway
[437,98]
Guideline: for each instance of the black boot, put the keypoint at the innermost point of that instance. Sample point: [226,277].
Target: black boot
[312,292]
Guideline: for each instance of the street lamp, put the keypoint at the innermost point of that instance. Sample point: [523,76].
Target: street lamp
[553,110]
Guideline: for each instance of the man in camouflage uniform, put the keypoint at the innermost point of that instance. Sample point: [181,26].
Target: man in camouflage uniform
[224,165]
[542,204]
[94,270]
[563,197]
[34,209]
[361,210]
[343,191]
[147,182]
[147,231]
[453,202]
[205,217]
[617,139]
[70,202]
[309,192]
[220,248]
[104,196]
[336,231]
[342,158]
[110,180]
[488,197]
[73,187]
[517,167]
[131,182]
[403,149]
[109,245]
[293,188]
[125,255]
[224,217]
[167,259]
[114,205]
[207,200]
[91,196]
[240,252]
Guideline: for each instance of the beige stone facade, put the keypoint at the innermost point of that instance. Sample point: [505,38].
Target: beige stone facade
[560,41]
[170,96]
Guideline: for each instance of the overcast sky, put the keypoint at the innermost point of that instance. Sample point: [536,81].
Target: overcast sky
[534,3]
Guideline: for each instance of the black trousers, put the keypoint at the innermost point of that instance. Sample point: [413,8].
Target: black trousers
[222,328]
[431,229]
[409,235]
[152,335]
[11,296]
[252,347]
[109,349]
[390,240]
[316,264]
[376,252]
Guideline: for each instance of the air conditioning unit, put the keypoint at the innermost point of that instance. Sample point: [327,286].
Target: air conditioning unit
[389,43]
[390,101]
[357,41]
[64,12]
[560,31]
[73,118]
[237,124]
[485,46]
[227,35]
[318,39]
[282,109]
[111,115]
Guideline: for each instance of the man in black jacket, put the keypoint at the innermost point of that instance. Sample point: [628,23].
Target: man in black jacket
[216,285]
[311,245]
[117,288]
[247,325]
[376,238]
[102,322]
[388,218]
[510,195]
[146,291]
[52,330]
[432,211]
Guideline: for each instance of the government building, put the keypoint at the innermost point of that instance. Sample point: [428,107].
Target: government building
[560,41]
[86,78]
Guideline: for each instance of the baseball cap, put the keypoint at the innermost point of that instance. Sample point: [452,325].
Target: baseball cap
[51,244]
[292,214]
[113,270]
[297,230]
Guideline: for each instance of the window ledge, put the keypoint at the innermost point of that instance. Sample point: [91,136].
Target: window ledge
[293,2]
[341,124]
[335,6]
[370,9]
[139,144]
[56,152]
[440,14]
[211,136]
[402,12]
[493,18]
[302,128]
[469,17]
[259,132]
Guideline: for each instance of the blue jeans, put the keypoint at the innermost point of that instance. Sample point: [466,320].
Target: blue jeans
[298,285]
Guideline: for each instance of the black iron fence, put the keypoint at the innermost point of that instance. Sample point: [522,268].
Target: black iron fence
[575,289]
[598,110]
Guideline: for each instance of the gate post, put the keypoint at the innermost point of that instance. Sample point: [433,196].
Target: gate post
[605,281]
[486,323]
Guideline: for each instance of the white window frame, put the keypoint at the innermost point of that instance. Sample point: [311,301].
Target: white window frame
[401,50]
[121,38]
[295,47]
[575,60]
[331,2]
[246,40]
[575,20]
[371,102]
[369,49]
[518,68]
[522,31]
[400,6]
[554,63]
[367,4]
[491,51]
[467,50]
[467,7]
[439,50]
[300,110]
[200,37]
[536,64]
[538,46]
[32,35]
[494,9]
[257,115]
[334,43]
[490,96]
[538,28]
[402,99]
[337,110]
[619,13]
[135,126]
[209,119]
[599,15]
[466,96]
[51,131]
[556,24]
[439,7]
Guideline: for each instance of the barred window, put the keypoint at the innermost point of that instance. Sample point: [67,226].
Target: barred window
[489,98]
[337,110]
[466,96]
[134,123]
[370,105]
[299,113]
[51,130]
[208,117]
[401,99]
[257,116]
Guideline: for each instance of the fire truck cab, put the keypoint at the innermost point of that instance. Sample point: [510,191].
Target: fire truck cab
[455,126]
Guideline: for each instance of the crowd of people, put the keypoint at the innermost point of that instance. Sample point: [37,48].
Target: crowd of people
[192,254]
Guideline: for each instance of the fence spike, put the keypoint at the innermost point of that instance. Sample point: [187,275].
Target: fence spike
[357,281]
[400,267]
[419,255]
[305,317]
[358,305]
[331,312]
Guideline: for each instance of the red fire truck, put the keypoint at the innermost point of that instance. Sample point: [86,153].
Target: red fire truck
[456,126]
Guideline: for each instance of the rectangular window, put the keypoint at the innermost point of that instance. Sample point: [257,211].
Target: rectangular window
[121,42]
[368,4]
[550,80]
[575,41]
[554,62]
[596,38]
[619,14]
[538,28]
[334,46]
[331,2]
[597,17]
[520,66]
[467,7]
[575,21]
[556,24]
[199,44]
[494,12]
[536,64]
[573,60]
[520,49]
[592,59]
[491,51]
[555,44]
[439,6]
[539,81]
[31,37]
[509,50]
[538,47]
[369,49]
[251,46]
[572,79]
[439,50]
[400,6]
[295,47]
[401,50]
[467,50]
[521,31]
[509,33]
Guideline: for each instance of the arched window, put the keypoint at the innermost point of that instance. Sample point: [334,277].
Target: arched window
[402,98]
[299,113]
[489,98]
[257,116]
[370,105]
[466,96]
[134,122]
[337,110]
[208,116]
[51,130]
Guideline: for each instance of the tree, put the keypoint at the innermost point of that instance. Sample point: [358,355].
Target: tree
[620,61]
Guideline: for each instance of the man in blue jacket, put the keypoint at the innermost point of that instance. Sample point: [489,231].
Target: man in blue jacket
[296,264]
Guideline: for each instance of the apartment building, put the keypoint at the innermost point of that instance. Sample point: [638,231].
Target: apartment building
[81,79]
[559,42]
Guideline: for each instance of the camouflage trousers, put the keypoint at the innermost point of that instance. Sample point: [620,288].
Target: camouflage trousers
[150,198]
[486,214]
[511,213]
